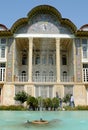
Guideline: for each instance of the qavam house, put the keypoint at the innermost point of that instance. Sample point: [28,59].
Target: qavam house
[44,54]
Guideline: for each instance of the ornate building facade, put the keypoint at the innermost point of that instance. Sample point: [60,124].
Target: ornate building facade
[44,54]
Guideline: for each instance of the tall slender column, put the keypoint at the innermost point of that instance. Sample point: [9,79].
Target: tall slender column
[74,53]
[13,73]
[58,59]
[30,59]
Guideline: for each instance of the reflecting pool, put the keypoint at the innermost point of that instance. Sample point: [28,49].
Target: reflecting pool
[58,120]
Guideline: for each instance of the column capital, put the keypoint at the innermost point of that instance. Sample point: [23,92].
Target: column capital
[57,40]
[30,38]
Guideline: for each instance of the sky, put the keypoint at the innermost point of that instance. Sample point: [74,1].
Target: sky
[74,10]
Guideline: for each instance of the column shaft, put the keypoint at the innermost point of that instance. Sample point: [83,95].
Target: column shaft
[30,59]
[58,59]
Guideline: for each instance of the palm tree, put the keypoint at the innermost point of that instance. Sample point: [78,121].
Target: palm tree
[32,102]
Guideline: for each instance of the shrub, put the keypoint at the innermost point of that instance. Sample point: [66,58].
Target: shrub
[21,96]
[69,108]
[66,99]
[55,102]
[79,107]
[13,107]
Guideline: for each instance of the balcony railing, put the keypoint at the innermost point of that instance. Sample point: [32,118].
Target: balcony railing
[85,74]
[21,78]
[2,74]
[44,79]
[67,79]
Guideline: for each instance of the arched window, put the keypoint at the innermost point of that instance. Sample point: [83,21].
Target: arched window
[44,78]
[44,59]
[24,57]
[37,76]
[37,73]
[51,59]
[84,48]
[37,59]
[24,60]
[51,78]
[64,76]
[51,73]
[64,60]
[24,75]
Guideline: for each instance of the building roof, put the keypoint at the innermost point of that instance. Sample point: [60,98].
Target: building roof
[83,31]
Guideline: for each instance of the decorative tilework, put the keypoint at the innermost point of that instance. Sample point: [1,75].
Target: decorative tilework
[44,24]
[9,62]
[78,60]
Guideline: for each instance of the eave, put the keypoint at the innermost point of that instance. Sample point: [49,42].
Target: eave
[5,33]
[68,23]
[18,24]
[44,9]
[81,33]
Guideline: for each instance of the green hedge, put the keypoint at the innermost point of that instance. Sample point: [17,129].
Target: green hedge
[13,107]
[21,108]
[79,107]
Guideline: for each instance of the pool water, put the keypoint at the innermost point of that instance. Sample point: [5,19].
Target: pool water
[58,120]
